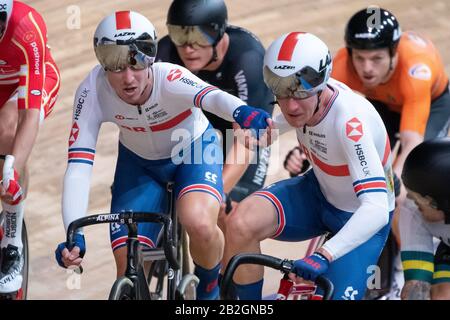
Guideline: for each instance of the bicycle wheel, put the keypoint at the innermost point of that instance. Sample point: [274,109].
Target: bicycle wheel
[122,289]
[25,269]
[22,293]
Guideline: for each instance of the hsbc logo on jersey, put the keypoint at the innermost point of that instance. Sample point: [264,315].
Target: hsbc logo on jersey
[174,74]
[354,129]
[74,134]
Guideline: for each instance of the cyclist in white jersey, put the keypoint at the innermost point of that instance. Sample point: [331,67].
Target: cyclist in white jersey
[424,217]
[348,192]
[164,137]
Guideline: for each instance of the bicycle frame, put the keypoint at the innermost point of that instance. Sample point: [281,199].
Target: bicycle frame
[134,269]
[284,265]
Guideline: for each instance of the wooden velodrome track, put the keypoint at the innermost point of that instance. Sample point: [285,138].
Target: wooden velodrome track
[73,52]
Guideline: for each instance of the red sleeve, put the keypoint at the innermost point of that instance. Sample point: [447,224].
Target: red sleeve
[30,37]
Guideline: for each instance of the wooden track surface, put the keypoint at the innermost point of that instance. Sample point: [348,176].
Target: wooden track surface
[73,52]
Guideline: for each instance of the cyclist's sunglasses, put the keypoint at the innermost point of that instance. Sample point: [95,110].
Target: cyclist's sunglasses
[298,85]
[117,55]
[202,36]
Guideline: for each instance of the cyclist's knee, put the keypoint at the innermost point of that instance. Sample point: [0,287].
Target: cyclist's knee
[202,230]
[239,225]
[7,133]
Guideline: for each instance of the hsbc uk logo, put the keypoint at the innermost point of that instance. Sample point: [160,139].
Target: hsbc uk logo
[354,129]
[73,134]
[174,74]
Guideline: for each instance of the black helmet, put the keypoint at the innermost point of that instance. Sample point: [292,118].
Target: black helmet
[210,14]
[372,28]
[427,171]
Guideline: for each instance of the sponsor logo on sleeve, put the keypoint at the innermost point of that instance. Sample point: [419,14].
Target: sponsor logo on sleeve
[354,129]
[362,159]
[29,36]
[35,92]
[74,134]
[174,74]
[80,103]
[37,57]
[420,71]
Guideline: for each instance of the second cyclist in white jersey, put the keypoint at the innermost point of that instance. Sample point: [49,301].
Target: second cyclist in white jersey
[164,137]
[348,192]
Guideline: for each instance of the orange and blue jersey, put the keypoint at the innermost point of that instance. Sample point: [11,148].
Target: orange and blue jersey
[418,79]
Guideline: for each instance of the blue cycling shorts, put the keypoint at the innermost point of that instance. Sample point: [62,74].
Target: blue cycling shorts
[140,185]
[304,213]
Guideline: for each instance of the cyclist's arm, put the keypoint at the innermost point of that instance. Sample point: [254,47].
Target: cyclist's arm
[416,86]
[236,163]
[373,212]
[83,138]
[246,68]
[417,250]
[193,91]
[30,38]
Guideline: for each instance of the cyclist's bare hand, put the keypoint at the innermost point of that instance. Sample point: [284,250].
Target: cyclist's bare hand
[294,161]
[416,290]
[71,258]
[66,258]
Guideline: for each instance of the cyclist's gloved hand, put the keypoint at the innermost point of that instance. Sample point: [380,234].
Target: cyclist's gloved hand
[251,118]
[74,256]
[12,192]
[311,267]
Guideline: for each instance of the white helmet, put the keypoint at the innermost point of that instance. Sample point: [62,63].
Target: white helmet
[125,39]
[6,7]
[297,64]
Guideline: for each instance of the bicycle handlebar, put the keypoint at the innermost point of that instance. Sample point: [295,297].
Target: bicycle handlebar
[129,217]
[284,265]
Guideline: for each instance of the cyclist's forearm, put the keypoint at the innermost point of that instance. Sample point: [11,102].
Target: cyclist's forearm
[236,162]
[416,290]
[367,220]
[27,130]
[222,104]
[75,197]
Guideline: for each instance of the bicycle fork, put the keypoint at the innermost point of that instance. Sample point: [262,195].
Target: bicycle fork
[134,269]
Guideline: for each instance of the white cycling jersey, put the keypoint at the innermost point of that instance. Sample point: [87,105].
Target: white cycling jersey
[416,233]
[149,130]
[350,154]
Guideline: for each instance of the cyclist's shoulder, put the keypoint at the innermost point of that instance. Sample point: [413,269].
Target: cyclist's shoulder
[169,71]
[23,12]
[347,105]
[242,41]
[167,51]
[89,85]
[415,48]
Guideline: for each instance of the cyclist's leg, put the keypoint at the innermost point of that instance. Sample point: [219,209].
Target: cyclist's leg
[440,289]
[287,210]
[439,120]
[390,253]
[199,188]
[134,189]
[352,273]
[11,244]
